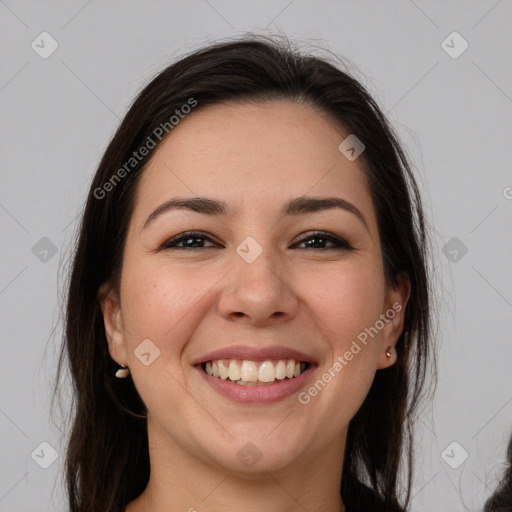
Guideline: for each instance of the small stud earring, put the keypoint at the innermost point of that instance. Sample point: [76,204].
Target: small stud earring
[123,372]
[389,351]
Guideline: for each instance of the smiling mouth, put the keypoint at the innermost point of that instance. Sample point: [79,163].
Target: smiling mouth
[255,373]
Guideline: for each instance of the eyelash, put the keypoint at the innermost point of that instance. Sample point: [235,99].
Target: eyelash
[339,242]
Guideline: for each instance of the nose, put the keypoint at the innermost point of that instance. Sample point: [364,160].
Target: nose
[258,293]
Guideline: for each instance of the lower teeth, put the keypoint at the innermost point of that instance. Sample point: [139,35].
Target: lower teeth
[257,383]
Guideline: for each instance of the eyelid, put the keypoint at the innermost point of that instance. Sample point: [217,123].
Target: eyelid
[340,242]
[184,235]
[331,237]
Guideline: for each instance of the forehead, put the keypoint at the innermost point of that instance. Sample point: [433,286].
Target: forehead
[253,156]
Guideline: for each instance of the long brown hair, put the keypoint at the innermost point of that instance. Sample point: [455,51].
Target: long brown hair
[501,499]
[107,460]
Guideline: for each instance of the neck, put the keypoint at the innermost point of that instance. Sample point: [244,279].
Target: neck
[180,481]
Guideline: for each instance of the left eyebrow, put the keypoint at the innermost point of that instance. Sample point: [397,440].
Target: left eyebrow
[297,206]
[308,204]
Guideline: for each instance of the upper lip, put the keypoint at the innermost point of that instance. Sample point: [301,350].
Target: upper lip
[252,353]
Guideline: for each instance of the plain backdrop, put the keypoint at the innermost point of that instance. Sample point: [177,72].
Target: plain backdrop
[451,106]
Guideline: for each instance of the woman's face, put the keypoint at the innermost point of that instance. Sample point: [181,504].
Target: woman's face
[258,286]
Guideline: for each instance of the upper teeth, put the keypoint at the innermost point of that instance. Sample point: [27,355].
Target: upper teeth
[252,371]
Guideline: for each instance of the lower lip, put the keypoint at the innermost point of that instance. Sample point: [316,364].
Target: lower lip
[267,393]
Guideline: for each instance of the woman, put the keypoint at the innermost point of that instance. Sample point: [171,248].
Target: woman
[249,311]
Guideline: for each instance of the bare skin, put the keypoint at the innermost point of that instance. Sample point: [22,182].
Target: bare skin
[189,301]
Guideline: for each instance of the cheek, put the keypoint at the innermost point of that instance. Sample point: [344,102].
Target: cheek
[163,305]
[346,304]
[159,302]
[347,299]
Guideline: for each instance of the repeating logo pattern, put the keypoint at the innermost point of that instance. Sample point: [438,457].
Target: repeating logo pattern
[42,52]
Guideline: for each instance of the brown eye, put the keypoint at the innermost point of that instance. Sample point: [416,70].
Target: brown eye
[190,240]
[318,239]
[314,240]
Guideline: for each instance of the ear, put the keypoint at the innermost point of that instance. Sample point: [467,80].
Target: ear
[114,324]
[393,315]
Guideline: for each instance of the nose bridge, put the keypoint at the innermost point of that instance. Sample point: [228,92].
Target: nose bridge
[257,265]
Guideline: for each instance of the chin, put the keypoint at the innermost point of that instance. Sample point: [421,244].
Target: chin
[256,452]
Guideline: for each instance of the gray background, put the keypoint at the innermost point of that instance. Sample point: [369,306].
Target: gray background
[452,114]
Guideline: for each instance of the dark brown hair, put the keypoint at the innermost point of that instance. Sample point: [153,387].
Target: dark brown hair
[107,461]
[501,499]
